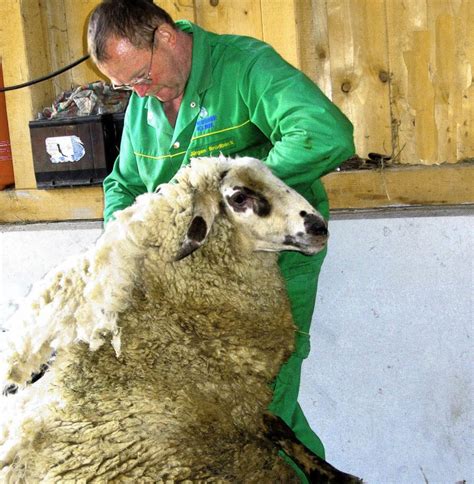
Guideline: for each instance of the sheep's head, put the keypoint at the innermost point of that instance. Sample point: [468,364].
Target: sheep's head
[268,214]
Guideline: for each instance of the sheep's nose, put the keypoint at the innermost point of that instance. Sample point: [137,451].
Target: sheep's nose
[315,225]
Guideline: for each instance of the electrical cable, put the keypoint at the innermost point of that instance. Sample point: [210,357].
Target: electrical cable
[45,78]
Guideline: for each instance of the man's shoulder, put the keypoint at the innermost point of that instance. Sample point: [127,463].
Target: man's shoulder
[232,47]
[244,44]
[238,47]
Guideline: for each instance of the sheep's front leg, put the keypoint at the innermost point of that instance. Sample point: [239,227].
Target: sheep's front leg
[316,469]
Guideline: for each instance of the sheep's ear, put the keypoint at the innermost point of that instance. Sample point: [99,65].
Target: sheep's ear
[204,212]
[195,237]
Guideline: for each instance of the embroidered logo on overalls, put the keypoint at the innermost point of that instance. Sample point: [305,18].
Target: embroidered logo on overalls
[205,121]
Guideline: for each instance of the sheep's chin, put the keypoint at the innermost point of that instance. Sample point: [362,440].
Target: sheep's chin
[305,249]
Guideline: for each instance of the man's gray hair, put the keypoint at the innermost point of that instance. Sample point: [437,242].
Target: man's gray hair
[134,20]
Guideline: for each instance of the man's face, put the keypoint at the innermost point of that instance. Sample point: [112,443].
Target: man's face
[161,72]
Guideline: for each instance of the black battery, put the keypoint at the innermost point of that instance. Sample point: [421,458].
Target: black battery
[75,151]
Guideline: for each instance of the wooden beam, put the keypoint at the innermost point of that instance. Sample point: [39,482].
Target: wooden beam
[350,190]
[23,206]
[22,61]
[401,187]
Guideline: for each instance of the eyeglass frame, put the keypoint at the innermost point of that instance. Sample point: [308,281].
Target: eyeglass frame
[144,81]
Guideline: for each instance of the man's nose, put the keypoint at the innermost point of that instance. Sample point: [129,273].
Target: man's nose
[141,90]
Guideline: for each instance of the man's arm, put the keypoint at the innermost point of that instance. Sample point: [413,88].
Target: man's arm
[310,135]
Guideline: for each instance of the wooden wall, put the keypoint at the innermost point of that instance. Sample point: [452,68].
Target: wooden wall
[400,69]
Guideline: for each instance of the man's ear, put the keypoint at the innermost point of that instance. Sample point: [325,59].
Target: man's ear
[167,34]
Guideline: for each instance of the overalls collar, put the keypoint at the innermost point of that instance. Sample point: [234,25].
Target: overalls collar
[200,80]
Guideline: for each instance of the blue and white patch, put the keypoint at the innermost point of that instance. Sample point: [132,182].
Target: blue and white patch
[205,121]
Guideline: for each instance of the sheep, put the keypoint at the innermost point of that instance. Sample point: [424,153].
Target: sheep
[164,354]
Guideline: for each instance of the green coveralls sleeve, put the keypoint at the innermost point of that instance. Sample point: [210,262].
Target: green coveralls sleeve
[310,137]
[309,134]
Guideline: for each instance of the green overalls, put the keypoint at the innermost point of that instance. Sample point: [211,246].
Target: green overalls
[243,99]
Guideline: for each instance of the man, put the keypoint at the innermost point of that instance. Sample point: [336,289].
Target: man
[200,94]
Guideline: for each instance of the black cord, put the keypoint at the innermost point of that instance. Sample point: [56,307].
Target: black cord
[45,78]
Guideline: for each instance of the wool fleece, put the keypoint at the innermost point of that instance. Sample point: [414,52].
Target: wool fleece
[168,333]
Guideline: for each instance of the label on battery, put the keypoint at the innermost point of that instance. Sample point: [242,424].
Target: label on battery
[65,149]
[5,151]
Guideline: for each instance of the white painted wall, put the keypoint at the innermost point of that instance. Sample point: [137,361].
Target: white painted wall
[389,382]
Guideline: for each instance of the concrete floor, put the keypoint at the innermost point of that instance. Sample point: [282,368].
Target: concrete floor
[389,382]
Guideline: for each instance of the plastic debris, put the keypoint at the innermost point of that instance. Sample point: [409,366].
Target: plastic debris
[95,98]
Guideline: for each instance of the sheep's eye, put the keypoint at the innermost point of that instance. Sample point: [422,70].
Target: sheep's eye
[239,199]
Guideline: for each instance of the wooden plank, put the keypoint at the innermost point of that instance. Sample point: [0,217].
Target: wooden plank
[454,57]
[230,17]
[432,96]
[178,9]
[399,19]
[311,18]
[420,96]
[76,16]
[359,70]
[20,206]
[351,190]
[20,63]
[465,38]
[38,60]
[283,36]
[401,187]
[54,18]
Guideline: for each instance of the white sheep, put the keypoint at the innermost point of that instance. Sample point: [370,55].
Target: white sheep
[164,359]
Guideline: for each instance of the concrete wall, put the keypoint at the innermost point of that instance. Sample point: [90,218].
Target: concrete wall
[389,382]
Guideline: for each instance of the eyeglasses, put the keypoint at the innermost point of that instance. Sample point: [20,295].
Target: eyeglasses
[144,81]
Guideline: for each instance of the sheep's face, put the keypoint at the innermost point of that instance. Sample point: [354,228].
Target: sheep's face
[265,212]
[269,213]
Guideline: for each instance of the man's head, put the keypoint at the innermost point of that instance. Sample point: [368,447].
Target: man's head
[134,20]
[136,44]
